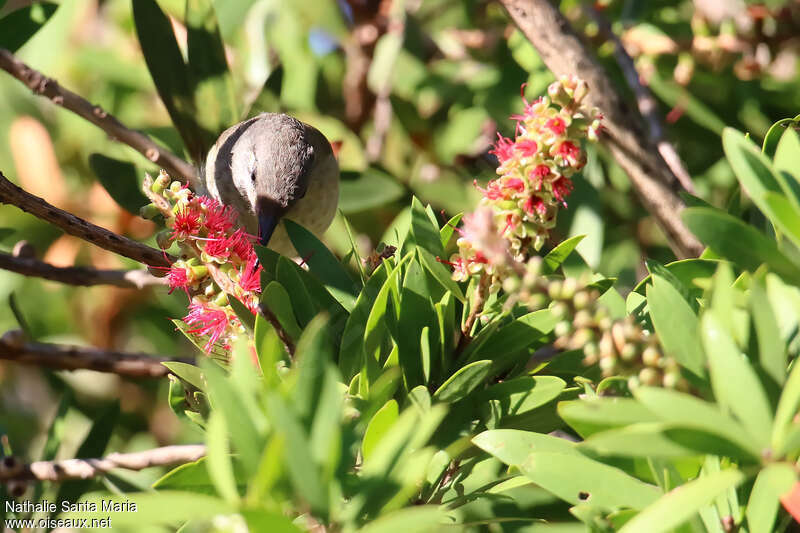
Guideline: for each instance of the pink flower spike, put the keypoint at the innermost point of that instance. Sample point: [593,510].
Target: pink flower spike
[178,279]
[569,151]
[503,148]
[219,219]
[561,189]
[535,205]
[515,184]
[556,125]
[241,244]
[538,174]
[208,321]
[527,147]
[250,277]
[218,248]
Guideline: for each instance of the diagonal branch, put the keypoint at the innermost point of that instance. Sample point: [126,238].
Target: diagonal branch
[81,276]
[12,470]
[49,88]
[73,225]
[564,54]
[14,348]
[645,101]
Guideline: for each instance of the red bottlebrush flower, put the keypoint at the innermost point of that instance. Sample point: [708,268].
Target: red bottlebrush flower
[208,321]
[569,151]
[556,125]
[218,247]
[561,189]
[531,109]
[503,148]
[535,205]
[219,219]
[493,190]
[515,184]
[178,279]
[527,147]
[241,244]
[186,223]
[250,276]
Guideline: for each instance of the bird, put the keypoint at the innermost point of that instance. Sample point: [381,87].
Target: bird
[271,167]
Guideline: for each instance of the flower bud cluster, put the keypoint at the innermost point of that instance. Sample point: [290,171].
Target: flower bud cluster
[536,166]
[620,347]
[217,261]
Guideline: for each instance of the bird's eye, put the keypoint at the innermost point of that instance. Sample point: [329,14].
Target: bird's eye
[253,176]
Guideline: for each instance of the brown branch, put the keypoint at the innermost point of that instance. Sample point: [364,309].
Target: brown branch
[49,88]
[645,101]
[73,225]
[13,347]
[564,54]
[81,276]
[12,470]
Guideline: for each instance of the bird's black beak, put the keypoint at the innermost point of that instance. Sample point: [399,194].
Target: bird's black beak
[269,214]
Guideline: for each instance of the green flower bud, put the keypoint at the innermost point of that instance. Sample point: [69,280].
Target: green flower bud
[175,186]
[554,289]
[583,319]
[629,352]
[559,310]
[649,376]
[149,211]
[581,300]
[591,353]
[221,299]
[164,239]
[651,356]
[511,284]
[563,328]
[608,366]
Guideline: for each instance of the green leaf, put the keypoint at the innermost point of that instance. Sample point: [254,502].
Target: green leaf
[559,254]
[772,482]
[731,374]
[302,304]
[207,70]
[679,505]
[513,447]
[419,519]
[752,168]
[440,274]
[692,413]
[245,425]
[784,214]
[523,394]
[601,414]
[578,479]
[260,520]
[314,352]
[774,135]
[218,462]
[676,325]
[326,430]
[352,353]
[638,440]
[771,349]
[20,25]
[277,300]
[787,159]
[379,426]
[188,373]
[245,316]
[165,63]
[367,190]
[505,344]
[416,312]
[447,230]
[323,264]
[297,456]
[788,406]
[121,180]
[738,242]
[162,507]
[423,233]
[464,381]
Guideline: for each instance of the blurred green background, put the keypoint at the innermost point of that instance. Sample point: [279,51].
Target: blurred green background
[415,90]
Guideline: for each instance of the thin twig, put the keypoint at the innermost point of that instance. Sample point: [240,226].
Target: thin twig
[288,343]
[49,88]
[12,470]
[13,347]
[645,101]
[14,195]
[81,276]
[564,54]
